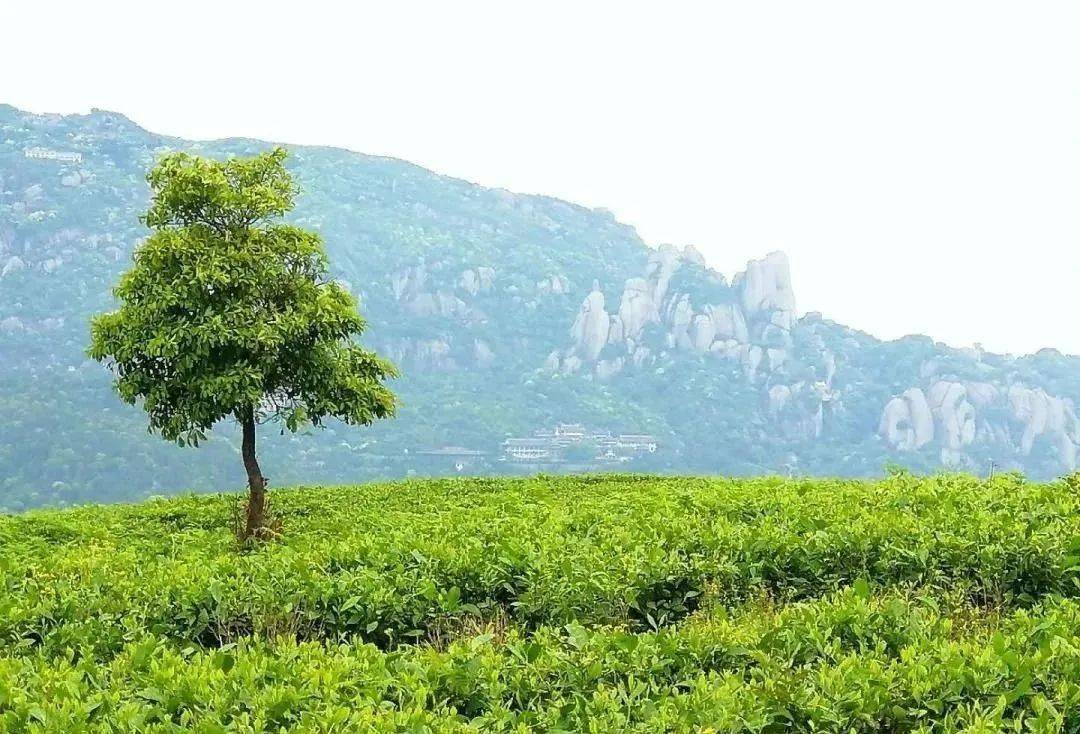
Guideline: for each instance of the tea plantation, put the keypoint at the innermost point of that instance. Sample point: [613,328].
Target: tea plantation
[602,604]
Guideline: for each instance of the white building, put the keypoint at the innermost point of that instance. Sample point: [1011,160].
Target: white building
[551,445]
[638,442]
[47,154]
[529,449]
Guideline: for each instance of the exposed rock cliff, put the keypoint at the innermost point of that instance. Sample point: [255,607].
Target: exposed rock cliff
[591,327]
[958,416]
[504,312]
[751,324]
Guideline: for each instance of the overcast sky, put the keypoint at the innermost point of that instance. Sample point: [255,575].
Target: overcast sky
[918,161]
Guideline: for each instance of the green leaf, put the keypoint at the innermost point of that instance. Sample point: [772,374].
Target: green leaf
[861,588]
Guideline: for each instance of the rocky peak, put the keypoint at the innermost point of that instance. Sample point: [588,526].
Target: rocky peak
[691,254]
[750,322]
[765,285]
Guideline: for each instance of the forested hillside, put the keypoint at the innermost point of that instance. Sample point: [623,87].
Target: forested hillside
[507,314]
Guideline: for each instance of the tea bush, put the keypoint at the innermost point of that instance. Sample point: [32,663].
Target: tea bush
[619,603]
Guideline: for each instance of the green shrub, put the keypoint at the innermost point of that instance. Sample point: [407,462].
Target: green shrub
[616,603]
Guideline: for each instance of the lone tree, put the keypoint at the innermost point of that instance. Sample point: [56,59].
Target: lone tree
[228,311]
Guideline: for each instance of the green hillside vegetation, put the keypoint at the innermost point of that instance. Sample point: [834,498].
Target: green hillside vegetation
[473,293]
[616,603]
[230,313]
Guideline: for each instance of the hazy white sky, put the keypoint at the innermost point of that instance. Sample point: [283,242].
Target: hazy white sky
[918,161]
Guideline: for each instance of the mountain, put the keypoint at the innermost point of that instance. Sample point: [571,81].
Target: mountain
[508,314]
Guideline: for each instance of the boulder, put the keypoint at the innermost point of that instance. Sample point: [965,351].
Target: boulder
[765,285]
[895,425]
[726,348]
[691,254]
[409,283]
[751,355]
[1039,414]
[702,333]
[775,358]
[470,281]
[955,415]
[13,265]
[782,319]
[615,333]
[922,420]
[636,308]
[818,421]
[906,421]
[729,322]
[608,368]
[829,361]
[964,414]
[1067,452]
[681,313]
[779,395]
[1030,408]
[591,327]
[663,262]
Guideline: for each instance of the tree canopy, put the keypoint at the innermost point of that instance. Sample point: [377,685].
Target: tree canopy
[229,311]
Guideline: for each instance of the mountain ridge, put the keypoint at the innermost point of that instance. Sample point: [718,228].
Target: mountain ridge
[599,210]
[508,313]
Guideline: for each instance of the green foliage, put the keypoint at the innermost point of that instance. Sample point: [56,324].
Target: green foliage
[227,308]
[621,603]
[67,440]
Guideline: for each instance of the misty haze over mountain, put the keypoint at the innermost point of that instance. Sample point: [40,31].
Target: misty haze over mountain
[509,315]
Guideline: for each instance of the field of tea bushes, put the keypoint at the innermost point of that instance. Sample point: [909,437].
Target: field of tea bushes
[602,604]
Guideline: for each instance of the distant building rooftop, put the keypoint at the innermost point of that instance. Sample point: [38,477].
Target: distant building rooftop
[526,442]
[451,451]
[53,155]
[554,444]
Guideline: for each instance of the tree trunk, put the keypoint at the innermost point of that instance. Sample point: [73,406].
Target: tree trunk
[256,506]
